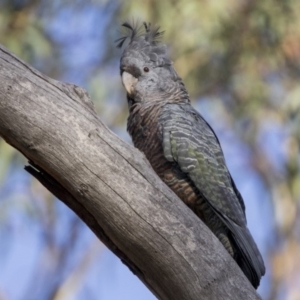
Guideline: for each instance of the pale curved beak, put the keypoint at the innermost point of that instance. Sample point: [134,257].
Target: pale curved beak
[129,82]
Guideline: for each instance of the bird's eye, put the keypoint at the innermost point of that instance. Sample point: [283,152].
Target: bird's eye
[146,69]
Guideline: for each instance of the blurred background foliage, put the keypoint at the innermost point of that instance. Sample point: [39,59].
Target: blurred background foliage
[240,61]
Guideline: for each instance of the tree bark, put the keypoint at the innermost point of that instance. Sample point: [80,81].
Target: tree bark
[112,188]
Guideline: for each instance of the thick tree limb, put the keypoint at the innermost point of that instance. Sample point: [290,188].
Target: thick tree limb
[112,188]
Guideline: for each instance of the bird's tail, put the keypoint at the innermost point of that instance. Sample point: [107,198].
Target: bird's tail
[248,258]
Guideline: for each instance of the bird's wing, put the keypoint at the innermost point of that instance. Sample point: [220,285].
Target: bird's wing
[188,140]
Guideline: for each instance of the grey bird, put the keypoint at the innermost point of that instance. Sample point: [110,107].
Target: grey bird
[181,146]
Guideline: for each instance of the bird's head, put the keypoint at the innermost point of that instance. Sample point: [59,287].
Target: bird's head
[147,72]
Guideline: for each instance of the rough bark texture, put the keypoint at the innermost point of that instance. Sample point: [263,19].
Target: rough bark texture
[112,188]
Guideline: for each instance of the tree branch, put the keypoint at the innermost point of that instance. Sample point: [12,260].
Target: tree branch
[112,188]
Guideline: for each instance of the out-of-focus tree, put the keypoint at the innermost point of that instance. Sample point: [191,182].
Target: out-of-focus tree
[240,61]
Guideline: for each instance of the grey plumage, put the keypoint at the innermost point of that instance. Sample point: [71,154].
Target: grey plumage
[181,146]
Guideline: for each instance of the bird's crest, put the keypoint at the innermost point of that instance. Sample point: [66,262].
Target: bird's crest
[137,32]
[145,39]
